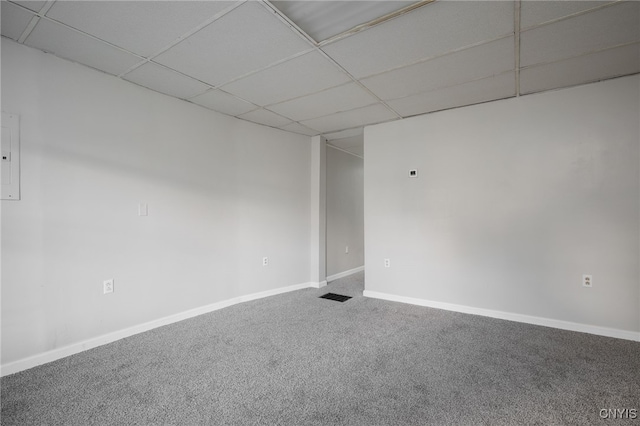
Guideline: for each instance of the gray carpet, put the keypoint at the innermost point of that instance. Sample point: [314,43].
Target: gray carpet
[300,360]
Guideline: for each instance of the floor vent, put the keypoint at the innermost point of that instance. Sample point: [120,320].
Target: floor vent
[336,297]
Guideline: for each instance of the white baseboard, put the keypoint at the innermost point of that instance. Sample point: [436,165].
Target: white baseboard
[547,322]
[345,273]
[74,348]
[318,285]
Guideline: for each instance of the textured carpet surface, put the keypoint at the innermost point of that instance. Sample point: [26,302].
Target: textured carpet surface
[297,359]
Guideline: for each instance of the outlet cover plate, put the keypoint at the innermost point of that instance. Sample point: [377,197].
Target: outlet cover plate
[107,286]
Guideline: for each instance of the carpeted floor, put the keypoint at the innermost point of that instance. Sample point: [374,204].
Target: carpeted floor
[296,359]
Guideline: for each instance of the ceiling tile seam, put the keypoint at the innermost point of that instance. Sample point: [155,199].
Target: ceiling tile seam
[313,47]
[29,28]
[317,47]
[355,80]
[440,55]
[288,22]
[273,112]
[343,150]
[197,29]
[44,9]
[462,106]
[230,94]
[486,77]
[214,110]
[183,37]
[308,94]
[590,81]
[373,23]
[587,53]
[149,88]
[375,102]
[516,42]
[134,67]
[271,65]
[574,15]
[93,37]
[262,124]
[293,131]
[209,86]
[299,33]
[346,128]
[34,20]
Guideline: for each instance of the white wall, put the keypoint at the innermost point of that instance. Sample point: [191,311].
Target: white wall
[515,200]
[222,193]
[345,211]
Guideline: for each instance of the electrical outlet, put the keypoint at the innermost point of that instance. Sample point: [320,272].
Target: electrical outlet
[107,286]
[265,261]
[387,263]
[587,281]
[346,249]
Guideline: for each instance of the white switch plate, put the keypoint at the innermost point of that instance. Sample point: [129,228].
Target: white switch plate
[587,281]
[265,261]
[107,286]
[346,249]
[143,209]
[387,263]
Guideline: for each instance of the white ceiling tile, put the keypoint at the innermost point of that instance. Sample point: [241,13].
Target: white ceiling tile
[607,27]
[299,128]
[538,12]
[297,77]
[14,20]
[455,68]
[69,44]
[582,69]
[268,118]
[225,103]
[344,134]
[246,39]
[488,89]
[32,5]
[348,119]
[428,31]
[324,19]
[143,27]
[166,81]
[341,98]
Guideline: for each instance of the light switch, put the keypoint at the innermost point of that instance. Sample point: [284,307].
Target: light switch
[143,209]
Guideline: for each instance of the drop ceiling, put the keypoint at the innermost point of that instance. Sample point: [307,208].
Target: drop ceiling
[331,68]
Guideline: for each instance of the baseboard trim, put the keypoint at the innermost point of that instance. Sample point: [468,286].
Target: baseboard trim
[318,285]
[345,273]
[74,348]
[547,322]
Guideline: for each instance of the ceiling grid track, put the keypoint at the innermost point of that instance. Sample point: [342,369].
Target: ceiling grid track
[357,94]
[574,15]
[587,53]
[317,47]
[34,21]
[182,38]
[41,15]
